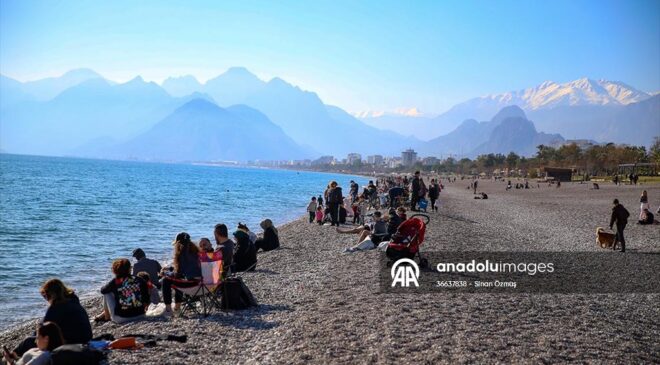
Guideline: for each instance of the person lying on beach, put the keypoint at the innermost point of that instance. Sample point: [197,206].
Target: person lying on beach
[126,297]
[224,244]
[245,257]
[64,309]
[271,238]
[49,337]
[370,235]
[186,272]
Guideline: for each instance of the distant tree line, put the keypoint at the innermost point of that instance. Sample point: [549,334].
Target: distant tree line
[595,160]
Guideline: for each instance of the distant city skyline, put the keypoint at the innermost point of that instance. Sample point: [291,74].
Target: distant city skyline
[361,56]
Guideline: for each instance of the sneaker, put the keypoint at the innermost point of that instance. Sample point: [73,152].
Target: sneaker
[347,250]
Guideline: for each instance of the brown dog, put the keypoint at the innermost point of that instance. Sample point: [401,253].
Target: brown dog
[605,239]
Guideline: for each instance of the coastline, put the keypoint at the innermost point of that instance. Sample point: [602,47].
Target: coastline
[308,289]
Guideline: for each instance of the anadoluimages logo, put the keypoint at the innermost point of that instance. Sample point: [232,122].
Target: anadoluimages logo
[405,272]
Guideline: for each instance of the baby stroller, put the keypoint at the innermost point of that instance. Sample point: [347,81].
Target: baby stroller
[407,239]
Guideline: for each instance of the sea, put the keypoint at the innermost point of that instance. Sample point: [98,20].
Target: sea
[69,218]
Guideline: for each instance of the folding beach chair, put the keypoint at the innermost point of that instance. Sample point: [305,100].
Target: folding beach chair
[203,298]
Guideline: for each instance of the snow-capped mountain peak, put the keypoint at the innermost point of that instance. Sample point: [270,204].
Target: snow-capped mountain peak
[582,91]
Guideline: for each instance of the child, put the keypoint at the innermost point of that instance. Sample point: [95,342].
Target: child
[356,211]
[153,291]
[311,209]
[319,215]
[363,206]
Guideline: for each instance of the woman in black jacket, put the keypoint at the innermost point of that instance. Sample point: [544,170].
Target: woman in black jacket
[245,257]
[65,310]
[271,239]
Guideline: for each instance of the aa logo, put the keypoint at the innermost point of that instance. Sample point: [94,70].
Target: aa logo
[405,272]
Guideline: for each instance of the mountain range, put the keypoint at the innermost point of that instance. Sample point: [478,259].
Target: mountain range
[603,110]
[237,116]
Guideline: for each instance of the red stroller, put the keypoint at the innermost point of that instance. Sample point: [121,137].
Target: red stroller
[407,239]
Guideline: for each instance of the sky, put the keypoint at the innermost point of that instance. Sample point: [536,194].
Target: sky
[359,55]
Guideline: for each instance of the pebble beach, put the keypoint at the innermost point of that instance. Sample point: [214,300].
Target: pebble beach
[317,305]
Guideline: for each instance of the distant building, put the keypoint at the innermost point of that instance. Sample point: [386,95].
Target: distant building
[352,158]
[557,173]
[324,160]
[430,161]
[393,162]
[375,160]
[408,157]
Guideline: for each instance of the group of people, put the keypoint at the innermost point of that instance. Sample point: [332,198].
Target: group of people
[133,288]
[620,215]
[632,179]
[128,294]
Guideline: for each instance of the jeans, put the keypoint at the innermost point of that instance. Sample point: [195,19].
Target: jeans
[311,216]
[619,235]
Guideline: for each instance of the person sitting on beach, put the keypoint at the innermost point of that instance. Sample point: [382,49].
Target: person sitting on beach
[245,257]
[372,233]
[186,272]
[647,217]
[153,290]
[65,310]
[395,218]
[224,244]
[126,297]
[319,215]
[49,337]
[152,267]
[244,228]
[271,238]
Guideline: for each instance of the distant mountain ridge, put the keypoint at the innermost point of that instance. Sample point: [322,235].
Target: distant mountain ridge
[508,131]
[202,131]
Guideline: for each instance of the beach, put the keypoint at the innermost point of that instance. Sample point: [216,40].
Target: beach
[317,305]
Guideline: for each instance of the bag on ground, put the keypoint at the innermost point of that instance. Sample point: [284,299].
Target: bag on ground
[236,295]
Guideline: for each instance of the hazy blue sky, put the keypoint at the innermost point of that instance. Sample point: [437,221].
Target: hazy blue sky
[359,55]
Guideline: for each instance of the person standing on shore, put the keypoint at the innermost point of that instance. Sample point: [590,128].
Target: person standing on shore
[353,191]
[334,200]
[415,188]
[620,217]
[474,186]
[311,209]
[643,204]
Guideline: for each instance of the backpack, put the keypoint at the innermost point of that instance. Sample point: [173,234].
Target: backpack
[236,295]
[78,354]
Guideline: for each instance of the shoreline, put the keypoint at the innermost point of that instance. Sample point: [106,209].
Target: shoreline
[308,288]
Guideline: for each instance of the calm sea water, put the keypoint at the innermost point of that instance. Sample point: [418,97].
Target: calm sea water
[69,218]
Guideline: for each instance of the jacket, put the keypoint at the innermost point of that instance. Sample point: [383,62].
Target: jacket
[619,215]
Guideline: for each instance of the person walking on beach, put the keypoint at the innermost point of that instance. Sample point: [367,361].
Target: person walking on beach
[415,188]
[474,186]
[334,200]
[643,204]
[620,217]
[311,209]
[434,193]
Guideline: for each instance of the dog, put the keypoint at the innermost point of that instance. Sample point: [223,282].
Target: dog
[605,239]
